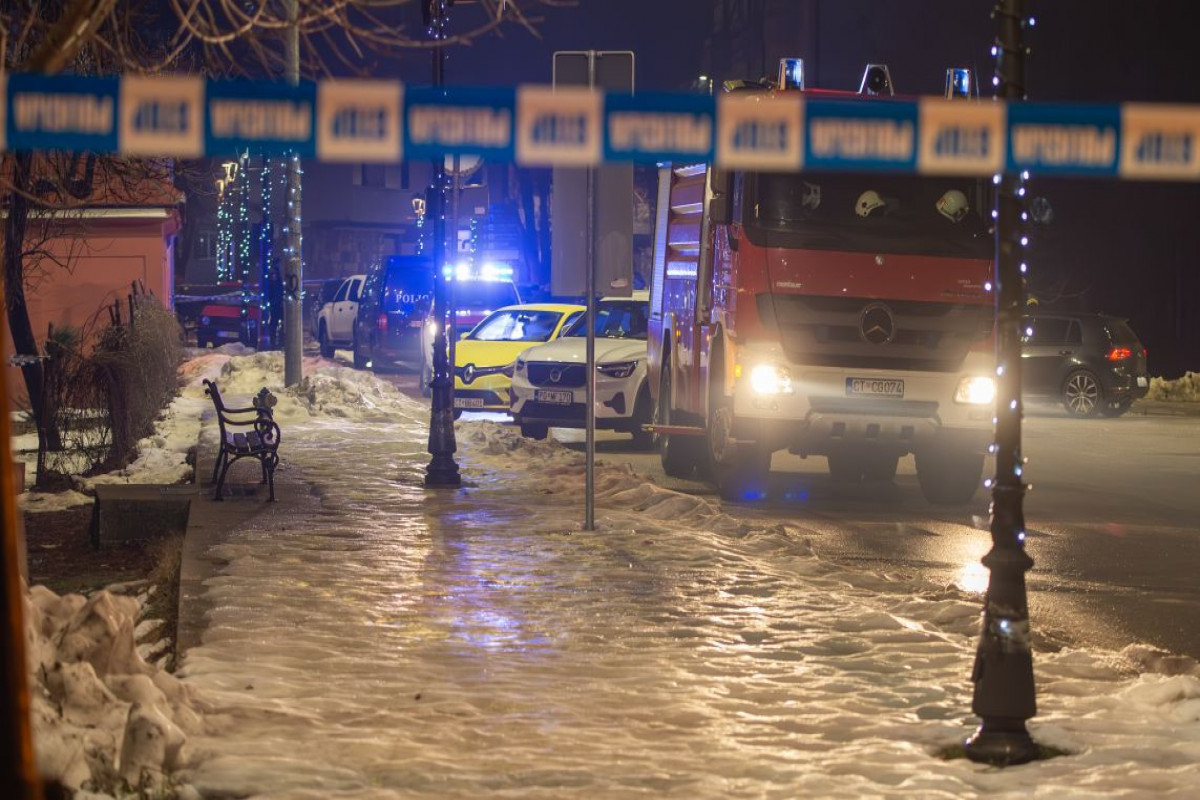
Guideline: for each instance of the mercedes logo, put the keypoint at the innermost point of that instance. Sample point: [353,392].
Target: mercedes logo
[876,325]
[555,375]
[468,373]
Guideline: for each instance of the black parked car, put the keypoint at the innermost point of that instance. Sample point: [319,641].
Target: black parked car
[392,310]
[1092,363]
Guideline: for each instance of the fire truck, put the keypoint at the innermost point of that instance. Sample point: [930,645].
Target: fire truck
[841,315]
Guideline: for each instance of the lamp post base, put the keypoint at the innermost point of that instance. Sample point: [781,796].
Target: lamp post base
[1002,742]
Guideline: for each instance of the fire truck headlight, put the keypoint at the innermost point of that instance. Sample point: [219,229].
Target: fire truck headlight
[770,379]
[975,391]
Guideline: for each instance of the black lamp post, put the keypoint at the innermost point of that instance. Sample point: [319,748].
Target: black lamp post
[442,469]
[1003,674]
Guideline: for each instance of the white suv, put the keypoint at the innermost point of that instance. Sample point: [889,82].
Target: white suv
[549,386]
[335,320]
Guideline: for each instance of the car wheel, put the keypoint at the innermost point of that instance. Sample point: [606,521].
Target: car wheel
[1081,394]
[739,468]
[360,358]
[677,453]
[949,477]
[642,416]
[1117,407]
[534,430]
[323,342]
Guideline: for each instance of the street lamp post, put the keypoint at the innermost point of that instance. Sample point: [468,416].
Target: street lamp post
[442,469]
[1003,674]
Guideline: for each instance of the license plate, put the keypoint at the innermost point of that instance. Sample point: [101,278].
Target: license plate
[468,402]
[1142,381]
[874,387]
[227,334]
[549,396]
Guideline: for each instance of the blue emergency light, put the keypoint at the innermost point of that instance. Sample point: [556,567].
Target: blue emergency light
[791,73]
[959,83]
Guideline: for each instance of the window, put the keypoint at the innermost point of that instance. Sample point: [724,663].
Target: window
[1045,331]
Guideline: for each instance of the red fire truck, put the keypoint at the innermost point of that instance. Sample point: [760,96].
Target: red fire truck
[841,315]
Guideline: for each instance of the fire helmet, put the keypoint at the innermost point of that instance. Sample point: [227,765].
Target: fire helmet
[953,205]
[868,202]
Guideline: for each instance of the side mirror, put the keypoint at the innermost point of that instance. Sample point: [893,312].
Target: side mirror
[719,207]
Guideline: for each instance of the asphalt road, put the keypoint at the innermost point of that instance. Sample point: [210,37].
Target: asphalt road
[1113,523]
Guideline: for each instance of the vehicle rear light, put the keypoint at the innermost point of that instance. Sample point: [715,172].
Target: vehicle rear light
[1119,354]
[381,322]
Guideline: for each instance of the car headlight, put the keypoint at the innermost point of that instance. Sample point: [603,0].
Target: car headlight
[770,379]
[975,391]
[431,326]
[617,369]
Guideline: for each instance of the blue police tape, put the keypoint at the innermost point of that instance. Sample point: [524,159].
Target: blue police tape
[386,121]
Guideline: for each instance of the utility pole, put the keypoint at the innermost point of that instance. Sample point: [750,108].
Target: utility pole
[442,469]
[1003,674]
[293,277]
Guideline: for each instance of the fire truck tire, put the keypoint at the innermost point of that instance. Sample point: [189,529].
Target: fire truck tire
[738,468]
[677,453]
[323,342]
[948,477]
[534,430]
[642,416]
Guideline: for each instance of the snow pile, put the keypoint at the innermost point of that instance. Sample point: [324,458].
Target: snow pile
[1185,389]
[103,719]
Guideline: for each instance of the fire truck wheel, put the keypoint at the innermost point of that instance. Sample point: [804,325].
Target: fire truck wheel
[642,416]
[323,341]
[739,468]
[677,453]
[948,477]
[534,430]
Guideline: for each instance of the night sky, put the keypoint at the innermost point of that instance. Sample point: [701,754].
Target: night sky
[1131,249]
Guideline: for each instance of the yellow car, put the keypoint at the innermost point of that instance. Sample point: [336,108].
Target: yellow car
[483,357]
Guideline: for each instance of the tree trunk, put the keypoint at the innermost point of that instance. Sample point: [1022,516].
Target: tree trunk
[19,324]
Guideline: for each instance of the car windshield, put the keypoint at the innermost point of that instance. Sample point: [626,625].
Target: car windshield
[517,326]
[917,215]
[615,319]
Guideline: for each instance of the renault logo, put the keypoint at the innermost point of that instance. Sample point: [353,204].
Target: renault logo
[555,375]
[468,373]
[876,325]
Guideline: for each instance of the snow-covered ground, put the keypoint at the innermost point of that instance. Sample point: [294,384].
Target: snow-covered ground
[390,642]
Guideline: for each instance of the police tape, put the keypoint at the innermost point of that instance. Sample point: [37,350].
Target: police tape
[386,122]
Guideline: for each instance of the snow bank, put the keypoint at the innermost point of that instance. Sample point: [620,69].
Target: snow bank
[102,717]
[1185,389]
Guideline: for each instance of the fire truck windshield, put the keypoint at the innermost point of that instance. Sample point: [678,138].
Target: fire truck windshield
[919,215]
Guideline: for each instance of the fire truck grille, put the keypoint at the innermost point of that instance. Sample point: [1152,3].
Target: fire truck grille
[553,375]
[864,333]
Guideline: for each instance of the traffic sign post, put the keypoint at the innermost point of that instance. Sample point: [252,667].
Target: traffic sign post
[603,203]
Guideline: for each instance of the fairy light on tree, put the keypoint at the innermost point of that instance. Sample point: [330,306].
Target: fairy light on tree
[244,261]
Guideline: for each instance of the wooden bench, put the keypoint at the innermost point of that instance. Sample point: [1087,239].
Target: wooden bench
[245,433]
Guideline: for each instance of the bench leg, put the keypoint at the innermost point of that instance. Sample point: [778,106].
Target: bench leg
[217,466]
[270,478]
[221,482]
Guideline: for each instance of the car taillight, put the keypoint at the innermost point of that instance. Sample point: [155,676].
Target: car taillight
[381,322]
[1119,354]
